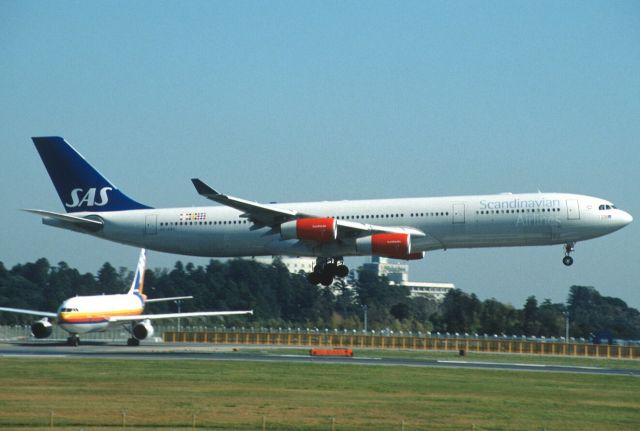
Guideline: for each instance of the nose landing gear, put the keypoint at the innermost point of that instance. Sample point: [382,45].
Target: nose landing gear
[568,249]
[326,270]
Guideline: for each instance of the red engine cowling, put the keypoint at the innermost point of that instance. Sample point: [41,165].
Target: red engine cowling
[394,245]
[312,229]
[411,256]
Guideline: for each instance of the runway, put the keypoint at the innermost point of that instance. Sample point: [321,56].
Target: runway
[207,352]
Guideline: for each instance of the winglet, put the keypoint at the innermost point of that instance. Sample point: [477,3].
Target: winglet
[203,189]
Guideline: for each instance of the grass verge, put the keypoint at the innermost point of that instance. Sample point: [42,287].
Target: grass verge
[166,394]
[613,363]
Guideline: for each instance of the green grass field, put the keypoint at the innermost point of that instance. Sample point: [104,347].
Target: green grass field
[614,363]
[165,394]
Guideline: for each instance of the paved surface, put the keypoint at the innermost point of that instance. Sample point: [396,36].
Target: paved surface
[190,351]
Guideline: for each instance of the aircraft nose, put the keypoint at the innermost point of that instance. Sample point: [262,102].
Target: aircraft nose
[622,219]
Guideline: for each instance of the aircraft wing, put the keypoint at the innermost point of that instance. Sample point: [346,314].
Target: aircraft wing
[267,215]
[348,228]
[30,312]
[81,222]
[176,315]
[259,214]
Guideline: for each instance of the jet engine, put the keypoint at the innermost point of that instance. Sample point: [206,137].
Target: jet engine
[394,245]
[312,229]
[42,328]
[143,330]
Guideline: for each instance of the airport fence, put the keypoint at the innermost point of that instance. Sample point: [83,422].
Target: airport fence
[20,333]
[404,342]
[318,338]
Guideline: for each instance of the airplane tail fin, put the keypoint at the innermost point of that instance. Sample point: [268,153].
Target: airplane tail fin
[137,285]
[80,186]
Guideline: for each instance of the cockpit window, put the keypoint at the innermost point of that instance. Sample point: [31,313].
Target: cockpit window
[606,207]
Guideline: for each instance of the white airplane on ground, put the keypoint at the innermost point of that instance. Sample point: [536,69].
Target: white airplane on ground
[397,228]
[83,314]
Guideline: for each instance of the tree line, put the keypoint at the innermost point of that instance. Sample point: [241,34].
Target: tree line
[282,299]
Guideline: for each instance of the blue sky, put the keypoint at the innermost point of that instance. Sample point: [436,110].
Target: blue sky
[298,101]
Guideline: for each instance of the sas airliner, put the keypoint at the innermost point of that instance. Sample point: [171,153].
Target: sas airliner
[396,228]
[83,314]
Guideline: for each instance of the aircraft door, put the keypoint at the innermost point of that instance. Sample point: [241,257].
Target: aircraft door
[573,209]
[151,224]
[458,213]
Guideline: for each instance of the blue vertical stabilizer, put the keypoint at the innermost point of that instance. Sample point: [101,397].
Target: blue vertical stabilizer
[80,186]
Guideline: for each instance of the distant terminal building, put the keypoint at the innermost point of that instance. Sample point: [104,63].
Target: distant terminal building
[398,273]
[431,290]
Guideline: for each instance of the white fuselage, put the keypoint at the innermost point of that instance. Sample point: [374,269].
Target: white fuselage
[449,222]
[83,314]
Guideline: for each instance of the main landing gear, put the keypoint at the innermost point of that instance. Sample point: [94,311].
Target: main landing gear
[568,249]
[326,270]
[73,341]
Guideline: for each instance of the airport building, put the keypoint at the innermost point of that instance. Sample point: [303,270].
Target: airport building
[396,272]
[293,264]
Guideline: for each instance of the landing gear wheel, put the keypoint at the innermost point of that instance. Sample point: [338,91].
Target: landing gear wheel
[326,279]
[326,270]
[73,341]
[133,342]
[342,271]
[330,269]
[568,249]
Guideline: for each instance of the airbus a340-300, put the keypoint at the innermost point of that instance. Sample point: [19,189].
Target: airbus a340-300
[397,228]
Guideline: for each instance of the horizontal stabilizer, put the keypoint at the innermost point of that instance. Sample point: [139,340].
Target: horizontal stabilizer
[82,222]
[174,298]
